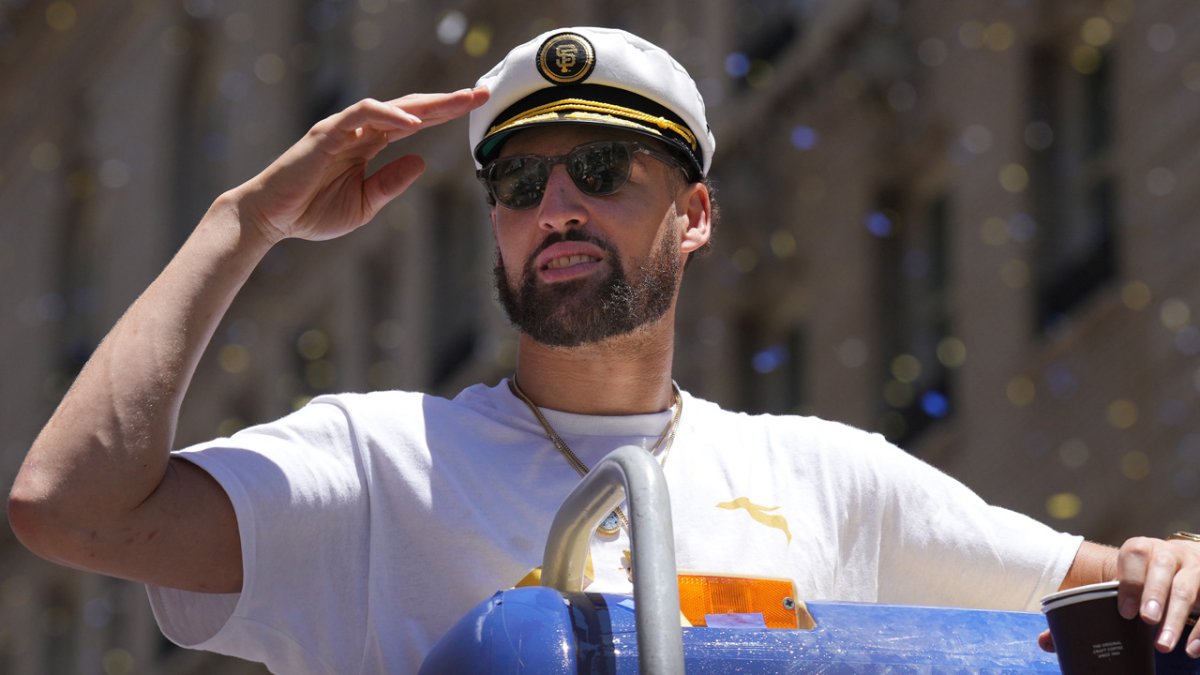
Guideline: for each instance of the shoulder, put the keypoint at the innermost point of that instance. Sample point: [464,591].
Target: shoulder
[398,403]
[793,429]
[479,405]
[356,403]
[813,446]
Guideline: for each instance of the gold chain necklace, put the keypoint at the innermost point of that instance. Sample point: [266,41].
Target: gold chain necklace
[615,520]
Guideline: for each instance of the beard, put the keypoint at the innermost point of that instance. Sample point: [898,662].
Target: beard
[583,311]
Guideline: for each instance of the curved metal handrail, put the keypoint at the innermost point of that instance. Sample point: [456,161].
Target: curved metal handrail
[631,472]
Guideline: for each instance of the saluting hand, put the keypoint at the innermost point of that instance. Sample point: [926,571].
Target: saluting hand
[319,188]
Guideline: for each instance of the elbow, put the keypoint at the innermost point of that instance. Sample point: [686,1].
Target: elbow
[31,517]
[22,520]
[25,516]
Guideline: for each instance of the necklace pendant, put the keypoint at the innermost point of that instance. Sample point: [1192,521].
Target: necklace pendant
[610,525]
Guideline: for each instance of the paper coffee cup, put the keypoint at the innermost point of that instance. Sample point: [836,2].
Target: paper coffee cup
[1091,636]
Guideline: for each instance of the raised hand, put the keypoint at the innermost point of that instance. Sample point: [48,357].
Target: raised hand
[101,466]
[319,188]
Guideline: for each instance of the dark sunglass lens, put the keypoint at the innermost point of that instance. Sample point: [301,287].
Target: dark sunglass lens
[600,168]
[518,182]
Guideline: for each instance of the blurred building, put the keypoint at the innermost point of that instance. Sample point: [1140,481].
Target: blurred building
[965,225]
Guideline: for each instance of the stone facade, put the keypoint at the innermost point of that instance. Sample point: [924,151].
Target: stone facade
[963,224]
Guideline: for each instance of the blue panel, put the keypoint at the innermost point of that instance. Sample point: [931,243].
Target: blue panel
[539,630]
[522,630]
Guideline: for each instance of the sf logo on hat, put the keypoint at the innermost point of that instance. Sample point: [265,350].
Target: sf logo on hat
[565,58]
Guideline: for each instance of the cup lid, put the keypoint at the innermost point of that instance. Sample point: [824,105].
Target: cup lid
[1079,594]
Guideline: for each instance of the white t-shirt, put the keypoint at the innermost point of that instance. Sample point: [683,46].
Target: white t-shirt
[370,523]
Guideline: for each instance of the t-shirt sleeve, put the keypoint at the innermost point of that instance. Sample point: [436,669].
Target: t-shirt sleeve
[297,488]
[941,544]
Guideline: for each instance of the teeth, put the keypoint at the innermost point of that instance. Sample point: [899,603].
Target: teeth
[567,261]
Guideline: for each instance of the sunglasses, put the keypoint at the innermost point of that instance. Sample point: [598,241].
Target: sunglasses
[599,168]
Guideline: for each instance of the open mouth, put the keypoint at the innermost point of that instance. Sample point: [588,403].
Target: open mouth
[565,260]
[569,261]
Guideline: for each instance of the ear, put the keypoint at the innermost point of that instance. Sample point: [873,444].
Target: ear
[697,208]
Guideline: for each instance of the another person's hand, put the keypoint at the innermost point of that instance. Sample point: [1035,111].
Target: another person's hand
[319,188]
[1160,581]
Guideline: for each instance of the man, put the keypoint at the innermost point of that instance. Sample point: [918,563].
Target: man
[349,535]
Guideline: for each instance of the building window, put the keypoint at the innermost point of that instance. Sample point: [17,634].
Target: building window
[321,57]
[764,30]
[60,630]
[388,332]
[919,348]
[201,134]
[75,302]
[456,282]
[773,367]
[1070,134]
[314,366]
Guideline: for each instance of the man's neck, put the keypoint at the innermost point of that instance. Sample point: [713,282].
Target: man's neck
[627,375]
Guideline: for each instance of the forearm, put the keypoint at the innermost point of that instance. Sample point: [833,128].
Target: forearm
[1093,564]
[105,449]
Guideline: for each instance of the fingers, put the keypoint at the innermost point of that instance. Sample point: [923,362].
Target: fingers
[1157,588]
[1181,599]
[1193,641]
[1133,562]
[376,114]
[371,125]
[368,125]
[389,182]
[438,108]
[1046,642]
[409,112]
[1159,598]
[1160,581]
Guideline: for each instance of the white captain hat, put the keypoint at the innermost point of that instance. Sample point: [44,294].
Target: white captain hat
[599,76]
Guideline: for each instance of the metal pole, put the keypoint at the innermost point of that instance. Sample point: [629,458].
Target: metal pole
[632,471]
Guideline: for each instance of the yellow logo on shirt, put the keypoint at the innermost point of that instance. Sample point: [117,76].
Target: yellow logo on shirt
[759,513]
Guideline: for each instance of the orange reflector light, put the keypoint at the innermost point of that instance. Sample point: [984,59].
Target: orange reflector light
[704,594]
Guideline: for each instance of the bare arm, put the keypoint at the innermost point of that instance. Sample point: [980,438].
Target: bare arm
[98,489]
[1094,563]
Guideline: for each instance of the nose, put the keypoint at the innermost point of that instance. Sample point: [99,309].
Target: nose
[563,205]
